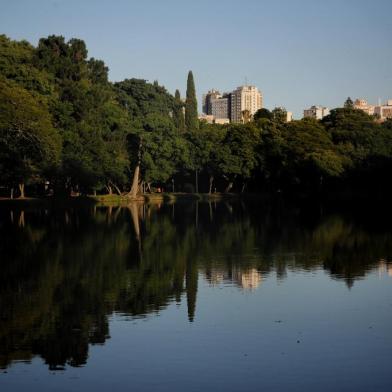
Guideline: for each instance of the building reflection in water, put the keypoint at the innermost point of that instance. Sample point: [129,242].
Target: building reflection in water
[247,279]
[384,268]
[64,271]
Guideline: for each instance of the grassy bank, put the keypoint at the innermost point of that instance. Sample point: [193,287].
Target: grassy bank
[163,197]
[114,199]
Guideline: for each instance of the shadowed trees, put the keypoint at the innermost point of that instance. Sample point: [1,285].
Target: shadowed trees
[131,136]
[29,145]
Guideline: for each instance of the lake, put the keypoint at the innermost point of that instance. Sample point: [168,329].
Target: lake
[192,296]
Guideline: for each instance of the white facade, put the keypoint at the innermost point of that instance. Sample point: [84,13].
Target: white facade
[221,121]
[316,112]
[245,98]
[363,105]
[208,118]
[384,112]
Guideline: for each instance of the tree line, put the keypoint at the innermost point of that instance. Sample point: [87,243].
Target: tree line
[66,129]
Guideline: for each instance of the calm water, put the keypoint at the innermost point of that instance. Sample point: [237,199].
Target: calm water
[194,297]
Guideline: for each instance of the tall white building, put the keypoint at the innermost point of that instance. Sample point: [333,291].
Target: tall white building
[316,112]
[245,102]
[384,112]
[363,105]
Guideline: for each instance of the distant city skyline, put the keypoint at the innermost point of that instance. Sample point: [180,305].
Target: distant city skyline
[298,53]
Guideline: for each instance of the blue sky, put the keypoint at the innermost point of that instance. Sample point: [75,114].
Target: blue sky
[298,52]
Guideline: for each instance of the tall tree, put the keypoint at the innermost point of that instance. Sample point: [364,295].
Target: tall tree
[263,113]
[279,115]
[311,156]
[349,104]
[178,112]
[151,143]
[29,145]
[237,155]
[191,121]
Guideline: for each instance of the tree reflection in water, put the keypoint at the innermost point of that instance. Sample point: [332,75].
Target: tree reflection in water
[64,271]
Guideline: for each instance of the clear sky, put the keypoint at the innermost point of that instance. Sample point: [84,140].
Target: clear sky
[298,52]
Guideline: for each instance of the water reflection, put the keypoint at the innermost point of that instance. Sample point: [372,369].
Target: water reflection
[248,279]
[64,271]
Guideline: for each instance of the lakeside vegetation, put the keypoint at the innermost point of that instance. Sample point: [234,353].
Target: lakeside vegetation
[66,271]
[65,129]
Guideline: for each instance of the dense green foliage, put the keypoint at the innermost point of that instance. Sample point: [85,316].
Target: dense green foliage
[178,112]
[64,128]
[29,145]
[191,121]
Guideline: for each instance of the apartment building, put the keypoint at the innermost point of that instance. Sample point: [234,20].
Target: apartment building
[384,112]
[245,102]
[363,105]
[207,98]
[220,107]
[316,112]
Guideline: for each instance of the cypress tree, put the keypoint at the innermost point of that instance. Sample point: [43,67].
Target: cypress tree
[178,112]
[191,120]
[349,104]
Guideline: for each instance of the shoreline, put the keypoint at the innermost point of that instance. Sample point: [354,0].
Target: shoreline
[122,199]
[333,198]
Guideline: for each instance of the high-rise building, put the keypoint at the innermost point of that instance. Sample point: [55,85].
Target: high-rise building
[220,107]
[245,102]
[207,98]
[316,112]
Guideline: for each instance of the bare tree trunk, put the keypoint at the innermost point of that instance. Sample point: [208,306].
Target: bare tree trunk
[243,187]
[211,182]
[117,189]
[229,207]
[109,189]
[149,186]
[12,193]
[117,213]
[136,175]
[21,222]
[196,181]
[197,214]
[22,190]
[229,187]
[135,219]
[135,183]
